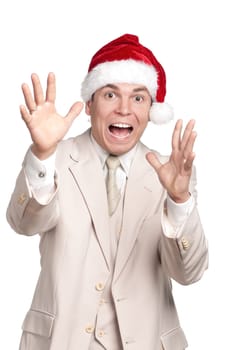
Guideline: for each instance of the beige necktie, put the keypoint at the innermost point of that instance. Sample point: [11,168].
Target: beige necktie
[113,192]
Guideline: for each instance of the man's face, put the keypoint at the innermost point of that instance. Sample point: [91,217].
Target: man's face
[119,114]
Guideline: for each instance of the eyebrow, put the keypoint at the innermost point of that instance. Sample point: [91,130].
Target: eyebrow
[138,89]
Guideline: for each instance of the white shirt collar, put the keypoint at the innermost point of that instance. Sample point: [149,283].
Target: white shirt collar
[125,159]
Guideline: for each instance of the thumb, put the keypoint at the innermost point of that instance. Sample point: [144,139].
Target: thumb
[74,111]
[153,160]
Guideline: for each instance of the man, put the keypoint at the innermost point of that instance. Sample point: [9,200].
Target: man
[114,230]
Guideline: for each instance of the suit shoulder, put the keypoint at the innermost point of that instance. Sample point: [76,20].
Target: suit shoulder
[69,143]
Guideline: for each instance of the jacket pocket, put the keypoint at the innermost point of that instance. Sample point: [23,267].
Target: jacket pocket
[38,322]
[174,340]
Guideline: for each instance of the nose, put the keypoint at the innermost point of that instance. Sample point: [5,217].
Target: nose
[123,107]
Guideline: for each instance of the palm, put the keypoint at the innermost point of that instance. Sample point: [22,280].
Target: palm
[173,177]
[45,125]
[175,174]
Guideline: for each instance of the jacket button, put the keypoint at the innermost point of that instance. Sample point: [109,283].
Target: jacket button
[102,302]
[89,329]
[22,198]
[101,333]
[99,286]
[185,243]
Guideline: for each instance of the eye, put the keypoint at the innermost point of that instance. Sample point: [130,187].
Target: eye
[110,95]
[138,98]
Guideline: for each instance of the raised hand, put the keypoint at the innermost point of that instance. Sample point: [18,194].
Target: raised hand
[45,125]
[175,174]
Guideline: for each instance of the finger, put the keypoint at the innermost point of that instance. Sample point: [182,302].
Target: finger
[189,162]
[25,115]
[74,111]
[187,133]
[29,100]
[38,91]
[189,145]
[153,160]
[51,88]
[176,136]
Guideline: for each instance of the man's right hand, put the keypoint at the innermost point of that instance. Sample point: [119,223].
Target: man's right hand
[46,126]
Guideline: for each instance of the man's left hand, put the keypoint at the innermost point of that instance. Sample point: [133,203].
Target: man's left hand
[175,174]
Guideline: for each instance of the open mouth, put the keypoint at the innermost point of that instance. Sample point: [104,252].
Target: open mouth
[120,130]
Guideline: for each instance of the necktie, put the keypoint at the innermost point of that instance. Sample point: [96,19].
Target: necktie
[113,192]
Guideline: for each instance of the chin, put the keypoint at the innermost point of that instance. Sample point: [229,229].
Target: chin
[120,149]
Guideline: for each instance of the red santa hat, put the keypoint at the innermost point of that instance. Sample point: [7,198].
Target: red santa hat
[125,60]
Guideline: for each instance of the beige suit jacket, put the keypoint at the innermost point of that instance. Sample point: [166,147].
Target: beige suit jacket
[74,228]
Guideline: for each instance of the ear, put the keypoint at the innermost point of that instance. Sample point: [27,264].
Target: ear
[87,107]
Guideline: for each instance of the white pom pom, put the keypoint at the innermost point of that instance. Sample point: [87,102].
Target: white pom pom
[161,113]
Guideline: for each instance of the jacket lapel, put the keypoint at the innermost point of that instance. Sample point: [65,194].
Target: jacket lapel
[142,190]
[87,171]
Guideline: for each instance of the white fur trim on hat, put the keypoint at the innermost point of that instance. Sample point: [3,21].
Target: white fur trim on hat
[161,113]
[123,71]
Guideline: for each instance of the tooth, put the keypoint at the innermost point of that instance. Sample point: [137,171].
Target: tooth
[119,125]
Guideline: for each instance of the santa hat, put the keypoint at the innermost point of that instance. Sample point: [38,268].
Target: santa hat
[125,60]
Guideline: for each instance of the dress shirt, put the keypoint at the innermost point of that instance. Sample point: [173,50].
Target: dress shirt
[41,174]
[125,163]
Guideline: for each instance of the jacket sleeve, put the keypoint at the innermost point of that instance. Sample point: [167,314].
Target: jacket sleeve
[25,214]
[185,257]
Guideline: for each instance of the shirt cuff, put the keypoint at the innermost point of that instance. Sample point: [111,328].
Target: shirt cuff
[40,173]
[175,216]
[178,212]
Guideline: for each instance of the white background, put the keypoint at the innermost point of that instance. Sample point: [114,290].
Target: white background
[192,40]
